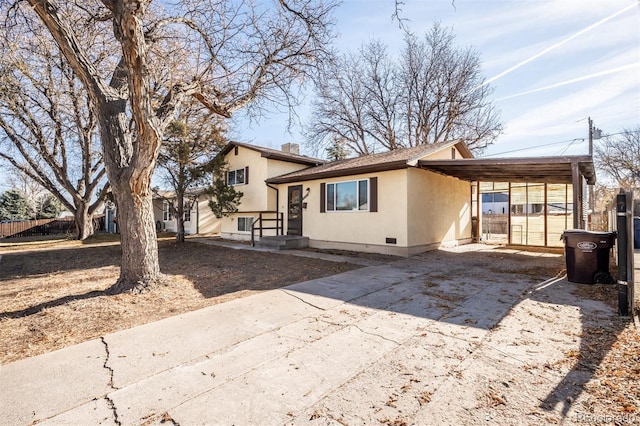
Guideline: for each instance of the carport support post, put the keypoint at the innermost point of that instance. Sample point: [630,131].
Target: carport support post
[577,195]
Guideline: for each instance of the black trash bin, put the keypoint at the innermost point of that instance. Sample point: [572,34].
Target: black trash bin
[587,255]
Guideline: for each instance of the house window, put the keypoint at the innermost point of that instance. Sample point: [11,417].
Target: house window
[236,177]
[187,213]
[244,224]
[351,195]
[166,211]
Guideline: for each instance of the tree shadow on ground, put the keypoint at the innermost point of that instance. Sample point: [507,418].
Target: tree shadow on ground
[44,262]
[467,289]
[596,341]
[214,271]
[32,310]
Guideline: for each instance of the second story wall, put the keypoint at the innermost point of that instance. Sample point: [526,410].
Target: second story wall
[247,171]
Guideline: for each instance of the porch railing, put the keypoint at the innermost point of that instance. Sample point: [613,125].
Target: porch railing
[265,222]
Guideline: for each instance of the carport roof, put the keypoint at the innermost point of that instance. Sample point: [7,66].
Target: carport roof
[533,169]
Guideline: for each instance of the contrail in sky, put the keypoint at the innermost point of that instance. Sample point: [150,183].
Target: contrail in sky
[573,80]
[555,46]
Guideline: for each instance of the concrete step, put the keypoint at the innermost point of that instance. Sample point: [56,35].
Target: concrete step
[284,242]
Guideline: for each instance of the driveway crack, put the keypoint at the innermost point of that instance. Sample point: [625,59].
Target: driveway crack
[375,334]
[303,301]
[110,403]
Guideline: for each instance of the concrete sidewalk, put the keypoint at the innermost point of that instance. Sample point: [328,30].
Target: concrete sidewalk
[433,339]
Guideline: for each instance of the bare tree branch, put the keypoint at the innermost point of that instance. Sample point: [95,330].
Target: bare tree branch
[374,102]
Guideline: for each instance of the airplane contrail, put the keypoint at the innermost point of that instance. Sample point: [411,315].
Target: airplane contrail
[573,80]
[555,46]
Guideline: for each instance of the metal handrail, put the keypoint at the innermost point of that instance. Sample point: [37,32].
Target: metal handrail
[279,219]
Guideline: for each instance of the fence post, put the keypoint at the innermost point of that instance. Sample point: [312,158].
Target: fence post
[624,222]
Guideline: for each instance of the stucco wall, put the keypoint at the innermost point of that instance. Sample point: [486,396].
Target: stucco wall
[254,193]
[439,208]
[444,154]
[279,168]
[357,227]
[209,223]
[421,210]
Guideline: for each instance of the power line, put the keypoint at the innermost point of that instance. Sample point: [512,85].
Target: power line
[538,146]
[570,142]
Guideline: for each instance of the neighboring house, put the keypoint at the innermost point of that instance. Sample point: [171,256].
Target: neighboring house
[198,217]
[495,203]
[110,221]
[378,203]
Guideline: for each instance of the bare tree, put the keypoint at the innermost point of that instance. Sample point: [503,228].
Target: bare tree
[618,156]
[228,54]
[187,159]
[432,93]
[445,94]
[339,110]
[48,133]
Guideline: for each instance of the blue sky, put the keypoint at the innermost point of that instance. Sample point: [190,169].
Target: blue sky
[553,64]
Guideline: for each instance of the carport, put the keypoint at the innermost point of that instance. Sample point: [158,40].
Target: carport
[524,179]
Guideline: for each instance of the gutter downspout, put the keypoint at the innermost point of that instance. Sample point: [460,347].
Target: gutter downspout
[277,208]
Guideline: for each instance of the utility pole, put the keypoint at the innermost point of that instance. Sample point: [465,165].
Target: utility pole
[594,133]
[590,137]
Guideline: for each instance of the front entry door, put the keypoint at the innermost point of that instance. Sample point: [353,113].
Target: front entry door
[294,216]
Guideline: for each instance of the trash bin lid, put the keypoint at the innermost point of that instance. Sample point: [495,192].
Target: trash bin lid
[584,231]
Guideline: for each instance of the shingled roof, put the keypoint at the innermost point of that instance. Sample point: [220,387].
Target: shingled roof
[274,154]
[391,160]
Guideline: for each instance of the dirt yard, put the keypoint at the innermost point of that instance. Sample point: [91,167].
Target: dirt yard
[52,293]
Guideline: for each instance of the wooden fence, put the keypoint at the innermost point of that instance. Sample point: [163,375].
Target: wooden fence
[27,228]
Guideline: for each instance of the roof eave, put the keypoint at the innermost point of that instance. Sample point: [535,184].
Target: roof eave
[272,155]
[284,157]
[372,168]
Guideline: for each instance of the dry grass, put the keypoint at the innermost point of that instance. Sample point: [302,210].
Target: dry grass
[52,292]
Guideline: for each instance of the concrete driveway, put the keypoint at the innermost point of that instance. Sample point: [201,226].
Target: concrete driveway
[457,336]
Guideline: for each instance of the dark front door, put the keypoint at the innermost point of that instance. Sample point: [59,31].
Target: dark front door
[294,215]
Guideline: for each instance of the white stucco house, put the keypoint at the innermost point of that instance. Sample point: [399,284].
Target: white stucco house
[381,203]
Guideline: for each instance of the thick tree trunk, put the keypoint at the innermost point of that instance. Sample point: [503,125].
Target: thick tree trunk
[84,222]
[139,267]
